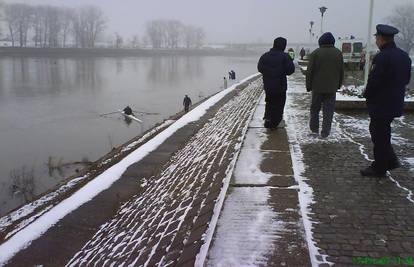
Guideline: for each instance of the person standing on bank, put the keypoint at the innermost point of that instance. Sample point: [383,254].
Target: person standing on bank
[187,103]
[302,53]
[275,65]
[390,73]
[324,77]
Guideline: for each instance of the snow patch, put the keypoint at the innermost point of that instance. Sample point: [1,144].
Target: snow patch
[306,191]
[247,230]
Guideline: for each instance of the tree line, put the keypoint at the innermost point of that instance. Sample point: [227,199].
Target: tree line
[173,34]
[52,27]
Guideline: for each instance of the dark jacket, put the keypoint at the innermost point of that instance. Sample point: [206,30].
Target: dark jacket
[275,65]
[325,72]
[187,101]
[390,73]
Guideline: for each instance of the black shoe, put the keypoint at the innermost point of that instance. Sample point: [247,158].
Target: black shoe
[269,125]
[394,165]
[371,172]
[324,135]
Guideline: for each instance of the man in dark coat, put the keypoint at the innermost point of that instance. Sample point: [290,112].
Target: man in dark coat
[385,91]
[324,76]
[302,53]
[233,75]
[275,65]
[187,103]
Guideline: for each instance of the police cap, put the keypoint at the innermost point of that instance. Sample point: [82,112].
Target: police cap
[386,30]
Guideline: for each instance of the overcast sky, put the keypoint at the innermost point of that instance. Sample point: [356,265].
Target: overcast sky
[240,20]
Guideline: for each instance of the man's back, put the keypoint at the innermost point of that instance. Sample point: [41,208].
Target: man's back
[325,71]
[275,65]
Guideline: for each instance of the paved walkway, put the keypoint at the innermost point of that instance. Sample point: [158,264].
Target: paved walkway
[353,216]
[342,218]
[260,224]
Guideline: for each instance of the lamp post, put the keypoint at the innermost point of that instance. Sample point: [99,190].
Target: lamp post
[322,10]
[369,37]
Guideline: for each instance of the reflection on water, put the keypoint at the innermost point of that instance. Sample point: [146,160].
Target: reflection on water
[50,107]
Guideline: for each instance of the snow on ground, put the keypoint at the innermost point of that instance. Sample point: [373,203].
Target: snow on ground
[247,227]
[410,162]
[295,119]
[23,238]
[353,93]
[246,231]
[250,158]
[27,209]
[343,97]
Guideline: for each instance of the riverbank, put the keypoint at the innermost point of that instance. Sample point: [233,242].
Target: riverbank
[20,217]
[120,52]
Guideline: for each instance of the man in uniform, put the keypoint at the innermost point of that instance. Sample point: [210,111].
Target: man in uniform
[275,65]
[385,91]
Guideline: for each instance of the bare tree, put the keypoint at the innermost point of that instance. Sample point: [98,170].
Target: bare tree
[66,23]
[118,40]
[173,30]
[135,41]
[155,33]
[200,35]
[37,24]
[88,23]
[190,36]
[173,33]
[23,182]
[403,19]
[11,12]
[95,23]
[55,26]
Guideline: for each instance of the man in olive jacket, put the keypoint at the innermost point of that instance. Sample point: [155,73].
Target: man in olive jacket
[324,76]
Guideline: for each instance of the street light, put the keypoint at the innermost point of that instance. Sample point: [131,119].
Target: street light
[369,37]
[322,10]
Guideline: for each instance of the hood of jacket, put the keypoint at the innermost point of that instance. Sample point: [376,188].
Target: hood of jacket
[280,44]
[326,39]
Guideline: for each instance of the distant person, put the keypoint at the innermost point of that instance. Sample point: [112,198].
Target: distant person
[324,77]
[275,65]
[230,75]
[233,74]
[385,92]
[302,53]
[291,53]
[362,62]
[187,103]
[128,110]
[225,83]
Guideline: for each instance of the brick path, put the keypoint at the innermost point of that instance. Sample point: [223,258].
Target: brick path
[166,223]
[354,216]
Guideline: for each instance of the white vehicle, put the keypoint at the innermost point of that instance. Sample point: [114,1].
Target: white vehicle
[352,49]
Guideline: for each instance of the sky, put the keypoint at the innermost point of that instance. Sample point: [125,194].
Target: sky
[241,21]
